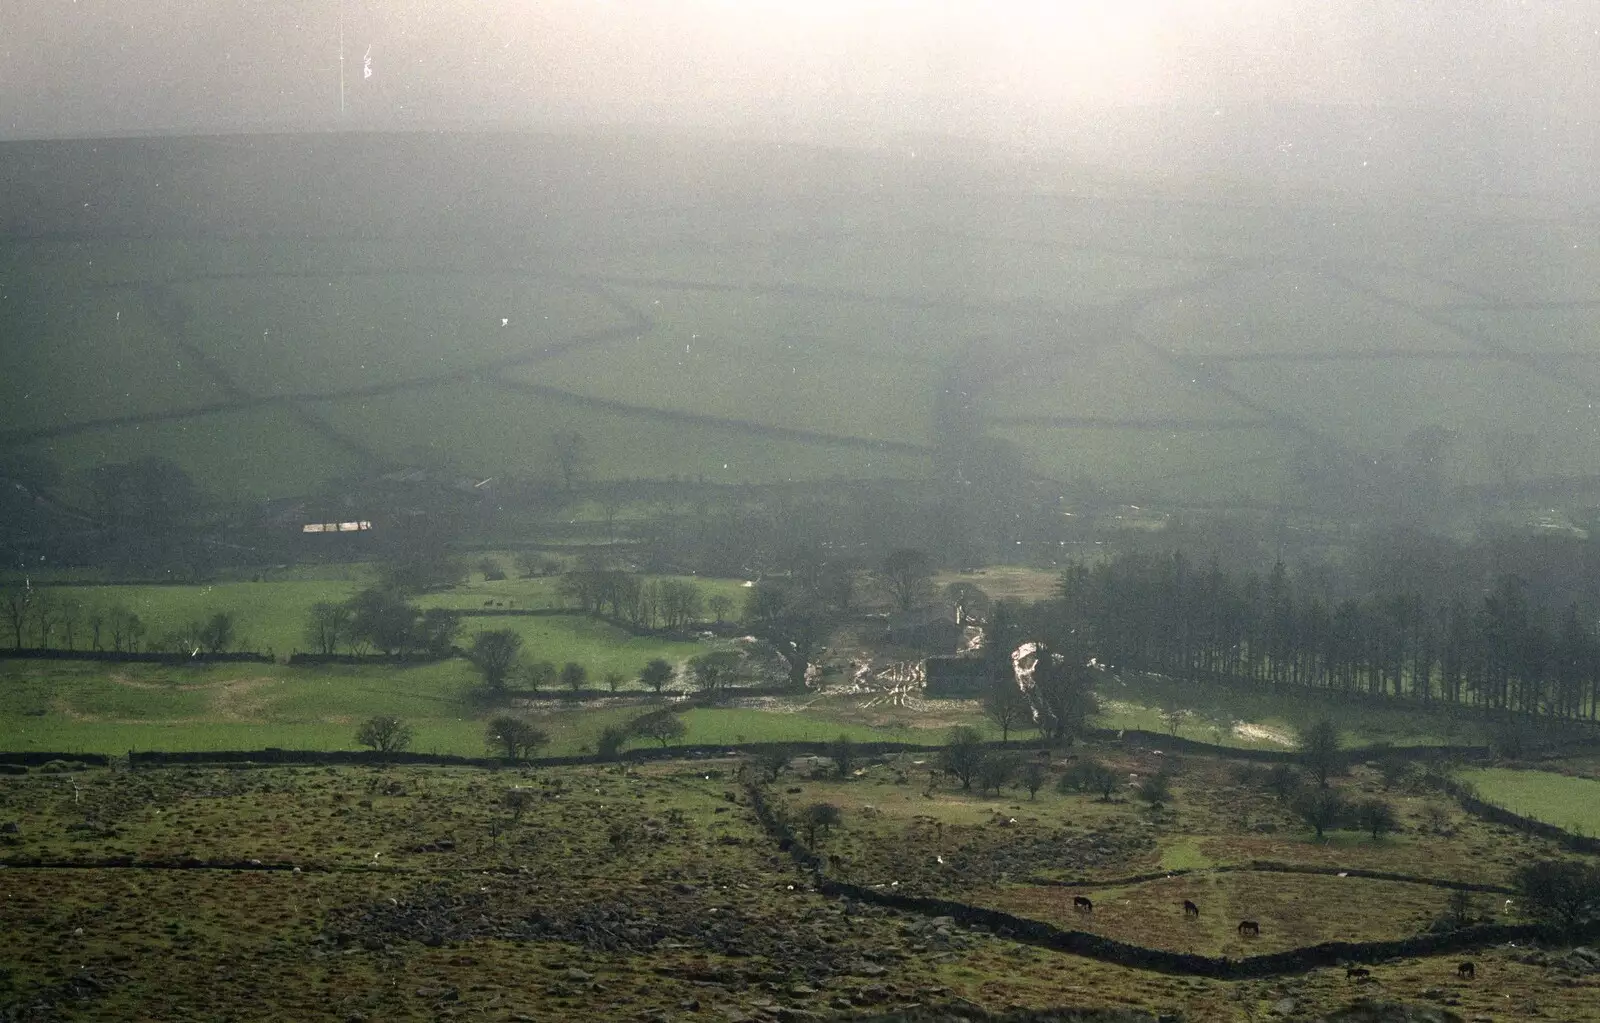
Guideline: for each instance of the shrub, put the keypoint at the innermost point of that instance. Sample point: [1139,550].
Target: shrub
[538,675]
[517,801]
[819,815]
[1155,790]
[773,762]
[1283,781]
[384,733]
[1089,775]
[611,742]
[574,675]
[843,752]
[1320,808]
[1033,777]
[1562,892]
[995,771]
[1319,751]
[1376,817]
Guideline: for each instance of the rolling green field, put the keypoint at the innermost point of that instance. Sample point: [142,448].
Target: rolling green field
[1567,802]
[805,332]
[75,707]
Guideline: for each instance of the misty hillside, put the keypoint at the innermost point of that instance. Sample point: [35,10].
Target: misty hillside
[278,311]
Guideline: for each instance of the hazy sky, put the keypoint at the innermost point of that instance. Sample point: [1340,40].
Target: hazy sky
[95,66]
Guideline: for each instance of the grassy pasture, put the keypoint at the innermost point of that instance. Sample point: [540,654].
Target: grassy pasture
[1172,465]
[1568,802]
[840,315]
[271,615]
[709,355]
[1535,260]
[1409,287]
[245,455]
[1546,332]
[1136,701]
[89,355]
[488,429]
[1473,397]
[1120,380]
[1286,311]
[310,335]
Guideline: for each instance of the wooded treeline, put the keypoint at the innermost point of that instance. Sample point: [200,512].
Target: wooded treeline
[1500,651]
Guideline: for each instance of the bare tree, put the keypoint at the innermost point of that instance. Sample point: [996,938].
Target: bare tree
[16,603]
[219,632]
[45,612]
[384,733]
[494,654]
[97,623]
[820,815]
[905,574]
[1565,892]
[326,624]
[513,738]
[1006,706]
[963,754]
[1319,750]
[71,613]
[661,725]
[570,452]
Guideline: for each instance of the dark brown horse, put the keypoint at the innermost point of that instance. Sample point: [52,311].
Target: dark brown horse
[1353,972]
[1082,904]
[1190,909]
[1467,971]
[1249,929]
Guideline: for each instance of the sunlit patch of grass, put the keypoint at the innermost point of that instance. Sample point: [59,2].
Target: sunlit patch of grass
[1185,854]
[1566,802]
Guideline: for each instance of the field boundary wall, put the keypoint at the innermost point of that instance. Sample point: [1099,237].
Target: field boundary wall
[701,751]
[1269,867]
[35,758]
[138,657]
[1478,807]
[1094,946]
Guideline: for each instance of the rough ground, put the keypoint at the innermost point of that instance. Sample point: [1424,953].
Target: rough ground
[594,893]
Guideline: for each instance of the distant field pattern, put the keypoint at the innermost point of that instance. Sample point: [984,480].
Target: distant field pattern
[1167,349]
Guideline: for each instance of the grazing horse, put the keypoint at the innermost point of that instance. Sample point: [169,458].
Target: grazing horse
[1467,971]
[1082,904]
[1249,929]
[1190,909]
[1353,972]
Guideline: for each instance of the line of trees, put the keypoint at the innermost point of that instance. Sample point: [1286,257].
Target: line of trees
[1502,652]
[380,620]
[39,618]
[642,602]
